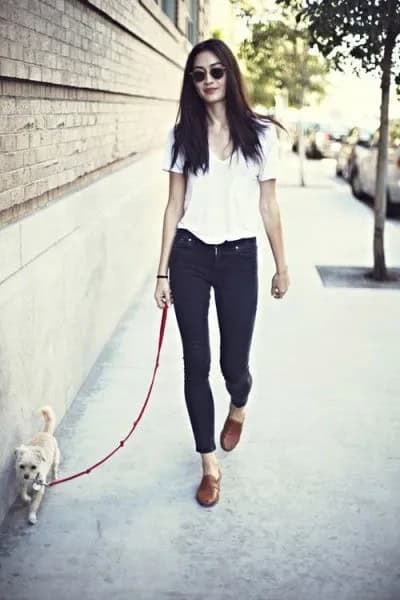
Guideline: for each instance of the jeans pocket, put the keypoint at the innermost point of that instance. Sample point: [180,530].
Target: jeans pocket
[246,247]
[182,241]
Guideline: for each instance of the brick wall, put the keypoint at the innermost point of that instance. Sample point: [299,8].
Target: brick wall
[85,86]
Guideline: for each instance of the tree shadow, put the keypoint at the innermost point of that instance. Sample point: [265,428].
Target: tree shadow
[357,277]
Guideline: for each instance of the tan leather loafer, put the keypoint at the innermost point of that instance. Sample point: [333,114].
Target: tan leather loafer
[230,434]
[208,490]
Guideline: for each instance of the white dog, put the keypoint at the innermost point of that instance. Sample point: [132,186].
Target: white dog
[34,462]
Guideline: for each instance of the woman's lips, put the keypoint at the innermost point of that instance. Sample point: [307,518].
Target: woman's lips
[210,90]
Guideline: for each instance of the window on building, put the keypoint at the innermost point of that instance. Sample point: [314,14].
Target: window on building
[169,8]
[192,23]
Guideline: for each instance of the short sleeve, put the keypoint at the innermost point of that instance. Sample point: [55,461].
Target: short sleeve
[179,163]
[270,148]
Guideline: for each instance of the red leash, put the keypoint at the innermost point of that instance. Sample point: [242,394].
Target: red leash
[122,442]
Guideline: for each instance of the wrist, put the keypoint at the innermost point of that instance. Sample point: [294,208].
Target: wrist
[282,270]
[161,276]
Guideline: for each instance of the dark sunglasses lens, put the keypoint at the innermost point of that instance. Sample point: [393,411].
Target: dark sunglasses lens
[217,72]
[198,76]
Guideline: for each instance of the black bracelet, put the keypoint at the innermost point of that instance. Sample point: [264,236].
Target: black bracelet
[162,276]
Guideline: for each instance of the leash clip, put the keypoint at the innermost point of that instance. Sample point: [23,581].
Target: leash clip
[38,483]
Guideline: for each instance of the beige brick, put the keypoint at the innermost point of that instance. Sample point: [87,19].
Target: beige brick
[40,121]
[29,55]
[17,195]
[7,106]
[34,6]
[30,191]
[69,9]
[35,73]
[7,68]
[53,121]
[19,123]
[53,181]
[29,157]
[22,141]
[14,179]
[15,51]
[44,170]
[22,70]
[44,153]
[57,76]
[4,47]
[40,25]
[6,200]
[8,143]
[10,161]
[35,139]
[23,106]
[35,106]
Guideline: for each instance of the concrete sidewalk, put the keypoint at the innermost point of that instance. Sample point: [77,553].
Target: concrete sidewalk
[310,500]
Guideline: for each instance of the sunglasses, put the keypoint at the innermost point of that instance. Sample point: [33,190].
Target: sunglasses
[215,72]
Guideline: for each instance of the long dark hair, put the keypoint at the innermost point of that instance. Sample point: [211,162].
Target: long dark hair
[191,138]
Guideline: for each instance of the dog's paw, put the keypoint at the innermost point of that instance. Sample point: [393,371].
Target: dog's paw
[32,519]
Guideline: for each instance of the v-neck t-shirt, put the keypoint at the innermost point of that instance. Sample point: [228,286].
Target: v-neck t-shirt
[222,204]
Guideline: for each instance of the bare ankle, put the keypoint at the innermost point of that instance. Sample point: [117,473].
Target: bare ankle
[237,413]
[209,463]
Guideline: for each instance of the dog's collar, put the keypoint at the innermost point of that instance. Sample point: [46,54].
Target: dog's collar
[38,483]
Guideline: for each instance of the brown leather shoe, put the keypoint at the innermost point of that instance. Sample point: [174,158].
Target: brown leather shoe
[230,434]
[208,490]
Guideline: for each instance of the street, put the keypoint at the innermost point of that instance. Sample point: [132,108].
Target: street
[310,499]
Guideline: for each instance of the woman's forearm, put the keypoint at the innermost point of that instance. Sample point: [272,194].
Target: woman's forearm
[273,227]
[172,217]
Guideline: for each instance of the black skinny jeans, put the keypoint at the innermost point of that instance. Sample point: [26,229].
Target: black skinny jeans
[231,269]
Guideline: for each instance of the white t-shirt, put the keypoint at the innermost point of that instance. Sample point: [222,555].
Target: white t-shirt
[222,204]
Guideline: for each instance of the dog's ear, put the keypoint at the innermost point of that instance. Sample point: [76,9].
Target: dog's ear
[18,451]
[40,454]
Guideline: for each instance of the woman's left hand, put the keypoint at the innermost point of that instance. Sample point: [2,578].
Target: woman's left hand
[280,284]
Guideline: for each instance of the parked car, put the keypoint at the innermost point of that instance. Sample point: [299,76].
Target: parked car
[308,126]
[363,169]
[325,140]
[344,160]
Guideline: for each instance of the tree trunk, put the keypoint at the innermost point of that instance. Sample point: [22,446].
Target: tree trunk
[301,150]
[379,271]
[301,142]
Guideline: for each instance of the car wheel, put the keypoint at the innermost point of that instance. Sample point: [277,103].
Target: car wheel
[392,209]
[355,183]
[315,153]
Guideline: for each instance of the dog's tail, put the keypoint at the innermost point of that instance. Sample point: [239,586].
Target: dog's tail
[49,419]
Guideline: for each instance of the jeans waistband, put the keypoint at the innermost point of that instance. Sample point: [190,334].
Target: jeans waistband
[227,244]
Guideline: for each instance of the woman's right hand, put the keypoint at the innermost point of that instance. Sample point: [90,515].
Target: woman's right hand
[163,294]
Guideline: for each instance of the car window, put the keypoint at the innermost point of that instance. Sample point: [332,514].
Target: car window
[353,135]
[375,138]
[394,134]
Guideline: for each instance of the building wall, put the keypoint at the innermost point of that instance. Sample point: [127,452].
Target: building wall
[88,92]
[84,84]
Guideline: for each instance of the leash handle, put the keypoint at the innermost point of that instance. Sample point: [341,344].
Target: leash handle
[122,442]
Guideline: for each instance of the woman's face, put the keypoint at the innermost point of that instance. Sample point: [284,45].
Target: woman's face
[210,89]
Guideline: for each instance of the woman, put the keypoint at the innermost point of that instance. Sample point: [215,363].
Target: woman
[222,162]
